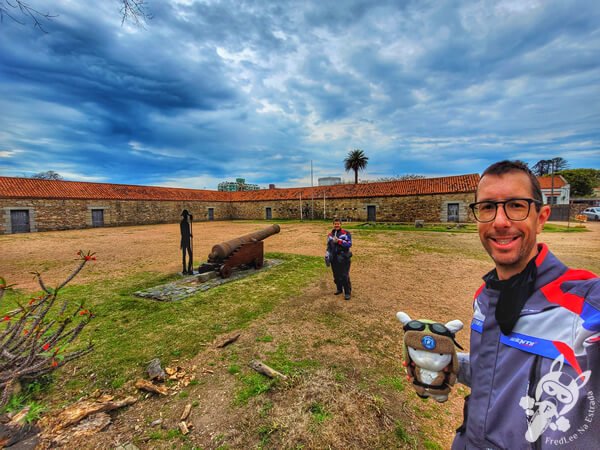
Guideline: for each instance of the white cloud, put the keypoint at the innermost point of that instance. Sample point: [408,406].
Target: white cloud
[8,153]
[220,84]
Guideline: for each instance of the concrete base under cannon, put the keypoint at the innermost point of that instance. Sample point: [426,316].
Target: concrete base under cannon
[192,284]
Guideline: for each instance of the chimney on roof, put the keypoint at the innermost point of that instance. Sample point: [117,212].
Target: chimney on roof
[271,186]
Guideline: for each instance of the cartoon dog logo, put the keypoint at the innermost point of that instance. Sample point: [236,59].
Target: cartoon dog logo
[555,395]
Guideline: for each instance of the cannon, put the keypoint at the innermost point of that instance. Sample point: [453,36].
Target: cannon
[244,250]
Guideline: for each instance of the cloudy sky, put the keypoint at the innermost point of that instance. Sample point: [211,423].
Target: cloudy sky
[213,90]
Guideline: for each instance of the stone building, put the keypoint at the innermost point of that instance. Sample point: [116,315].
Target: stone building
[42,205]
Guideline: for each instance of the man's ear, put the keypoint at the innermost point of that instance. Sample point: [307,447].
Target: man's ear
[543,216]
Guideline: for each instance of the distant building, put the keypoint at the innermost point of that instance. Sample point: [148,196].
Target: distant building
[555,192]
[329,181]
[28,205]
[238,185]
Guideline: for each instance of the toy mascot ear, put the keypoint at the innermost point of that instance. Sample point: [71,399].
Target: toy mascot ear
[455,325]
[403,317]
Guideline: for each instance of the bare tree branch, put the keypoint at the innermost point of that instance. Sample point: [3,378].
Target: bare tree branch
[20,11]
[9,7]
[38,337]
[134,11]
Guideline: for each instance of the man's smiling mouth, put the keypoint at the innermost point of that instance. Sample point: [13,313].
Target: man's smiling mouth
[504,240]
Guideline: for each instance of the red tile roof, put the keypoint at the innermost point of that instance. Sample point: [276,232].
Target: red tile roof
[54,189]
[546,182]
[423,186]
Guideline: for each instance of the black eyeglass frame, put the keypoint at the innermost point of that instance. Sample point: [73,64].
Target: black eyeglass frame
[503,203]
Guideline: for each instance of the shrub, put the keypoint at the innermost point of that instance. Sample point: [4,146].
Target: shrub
[38,334]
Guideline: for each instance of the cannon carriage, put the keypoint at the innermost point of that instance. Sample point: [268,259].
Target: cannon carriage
[244,250]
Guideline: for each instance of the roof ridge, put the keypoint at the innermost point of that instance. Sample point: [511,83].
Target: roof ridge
[36,180]
[19,187]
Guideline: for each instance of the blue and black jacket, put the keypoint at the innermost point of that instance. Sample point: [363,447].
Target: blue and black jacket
[539,386]
[343,245]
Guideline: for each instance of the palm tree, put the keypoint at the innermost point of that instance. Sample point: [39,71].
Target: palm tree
[356,160]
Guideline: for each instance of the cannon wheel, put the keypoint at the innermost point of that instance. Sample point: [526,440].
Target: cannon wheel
[225,271]
[258,263]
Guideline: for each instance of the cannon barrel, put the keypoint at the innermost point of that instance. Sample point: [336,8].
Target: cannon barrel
[221,251]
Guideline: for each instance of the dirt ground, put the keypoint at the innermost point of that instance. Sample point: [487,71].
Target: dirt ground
[419,273]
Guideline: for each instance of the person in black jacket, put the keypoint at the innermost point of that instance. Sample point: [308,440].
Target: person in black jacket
[338,254]
[186,241]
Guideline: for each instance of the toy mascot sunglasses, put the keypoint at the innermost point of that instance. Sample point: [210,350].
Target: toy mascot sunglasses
[434,327]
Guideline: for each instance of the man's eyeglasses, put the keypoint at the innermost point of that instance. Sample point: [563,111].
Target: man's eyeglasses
[436,328]
[515,209]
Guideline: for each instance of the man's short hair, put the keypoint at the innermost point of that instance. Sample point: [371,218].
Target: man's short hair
[336,219]
[506,166]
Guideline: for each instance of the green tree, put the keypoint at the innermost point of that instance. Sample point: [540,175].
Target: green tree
[547,166]
[356,160]
[48,175]
[582,181]
[408,176]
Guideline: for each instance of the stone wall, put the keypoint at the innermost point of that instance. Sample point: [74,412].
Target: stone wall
[430,208]
[47,215]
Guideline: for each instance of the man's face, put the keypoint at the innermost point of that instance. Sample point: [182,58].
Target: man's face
[337,225]
[511,244]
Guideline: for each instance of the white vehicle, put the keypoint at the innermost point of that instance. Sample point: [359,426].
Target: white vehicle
[592,213]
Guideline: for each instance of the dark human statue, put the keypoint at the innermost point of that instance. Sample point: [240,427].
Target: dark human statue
[186,245]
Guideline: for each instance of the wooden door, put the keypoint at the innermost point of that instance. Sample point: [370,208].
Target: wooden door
[371,213]
[97,217]
[19,221]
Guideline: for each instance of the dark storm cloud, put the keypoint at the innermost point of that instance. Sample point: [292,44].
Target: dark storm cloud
[219,89]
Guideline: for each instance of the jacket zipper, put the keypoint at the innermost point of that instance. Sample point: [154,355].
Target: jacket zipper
[534,376]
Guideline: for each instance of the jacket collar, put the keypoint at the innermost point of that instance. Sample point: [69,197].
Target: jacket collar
[549,267]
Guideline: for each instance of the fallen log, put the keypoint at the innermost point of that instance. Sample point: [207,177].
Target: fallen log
[183,428]
[15,431]
[80,410]
[90,425]
[230,339]
[266,370]
[186,412]
[148,386]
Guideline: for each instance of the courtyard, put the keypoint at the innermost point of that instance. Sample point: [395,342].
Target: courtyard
[345,388]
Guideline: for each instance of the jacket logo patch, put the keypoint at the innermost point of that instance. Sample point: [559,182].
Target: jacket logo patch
[523,341]
[556,394]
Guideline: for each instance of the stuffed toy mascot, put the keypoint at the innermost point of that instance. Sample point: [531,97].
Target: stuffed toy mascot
[430,355]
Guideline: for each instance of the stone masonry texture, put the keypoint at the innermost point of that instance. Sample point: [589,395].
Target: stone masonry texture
[53,214]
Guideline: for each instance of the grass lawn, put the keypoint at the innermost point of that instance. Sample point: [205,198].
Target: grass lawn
[345,387]
[129,331]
